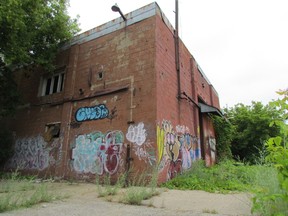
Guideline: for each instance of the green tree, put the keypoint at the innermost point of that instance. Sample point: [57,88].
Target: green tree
[251,128]
[10,97]
[275,202]
[224,134]
[32,30]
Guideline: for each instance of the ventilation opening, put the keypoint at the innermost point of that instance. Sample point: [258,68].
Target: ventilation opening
[100,75]
[52,130]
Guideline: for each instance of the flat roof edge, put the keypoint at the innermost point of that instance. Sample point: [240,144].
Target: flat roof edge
[114,25]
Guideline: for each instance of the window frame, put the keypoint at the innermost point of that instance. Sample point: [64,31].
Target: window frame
[58,77]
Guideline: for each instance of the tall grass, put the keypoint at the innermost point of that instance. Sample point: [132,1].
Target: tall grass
[107,188]
[19,192]
[225,177]
[143,186]
[139,190]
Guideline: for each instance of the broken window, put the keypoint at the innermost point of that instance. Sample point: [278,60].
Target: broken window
[52,131]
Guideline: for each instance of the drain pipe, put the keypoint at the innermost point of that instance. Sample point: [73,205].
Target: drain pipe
[128,161]
[177,56]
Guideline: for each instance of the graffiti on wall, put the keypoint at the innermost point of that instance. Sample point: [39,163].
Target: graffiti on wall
[211,151]
[177,149]
[137,135]
[36,154]
[91,113]
[97,153]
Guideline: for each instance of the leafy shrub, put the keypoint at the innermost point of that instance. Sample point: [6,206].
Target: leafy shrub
[6,145]
[274,201]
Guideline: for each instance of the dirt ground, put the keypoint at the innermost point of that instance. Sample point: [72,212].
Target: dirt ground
[83,200]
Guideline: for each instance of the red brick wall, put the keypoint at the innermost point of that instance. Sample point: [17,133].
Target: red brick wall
[178,126]
[209,141]
[137,86]
[176,118]
[126,58]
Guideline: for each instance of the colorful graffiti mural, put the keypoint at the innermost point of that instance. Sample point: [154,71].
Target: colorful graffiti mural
[136,134]
[35,154]
[97,153]
[177,149]
[91,113]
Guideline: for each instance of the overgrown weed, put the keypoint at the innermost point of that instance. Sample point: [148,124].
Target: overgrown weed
[142,187]
[107,188]
[223,177]
[21,192]
[140,190]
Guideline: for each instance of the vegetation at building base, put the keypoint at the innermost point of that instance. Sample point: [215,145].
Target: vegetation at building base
[265,171]
[135,191]
[224,136]
[22,192]
[224,177]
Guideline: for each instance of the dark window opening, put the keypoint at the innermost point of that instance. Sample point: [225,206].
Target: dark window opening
[48,85]
[51,85]
[55,86]
[100,75]
[62,81]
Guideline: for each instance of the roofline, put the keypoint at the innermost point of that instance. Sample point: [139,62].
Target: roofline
[133,17]
[116,24]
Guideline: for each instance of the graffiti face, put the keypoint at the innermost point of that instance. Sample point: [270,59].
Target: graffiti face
[91,113]
[176,148]
[97,152]
[35,154]
[172,146]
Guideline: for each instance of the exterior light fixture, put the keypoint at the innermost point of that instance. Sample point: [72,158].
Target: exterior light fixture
[115,8]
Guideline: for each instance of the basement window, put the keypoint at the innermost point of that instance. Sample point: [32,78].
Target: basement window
[52,84]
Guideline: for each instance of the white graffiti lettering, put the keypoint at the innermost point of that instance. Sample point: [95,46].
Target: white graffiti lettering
[137,134]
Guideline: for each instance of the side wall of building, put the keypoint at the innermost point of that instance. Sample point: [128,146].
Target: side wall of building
[182,130]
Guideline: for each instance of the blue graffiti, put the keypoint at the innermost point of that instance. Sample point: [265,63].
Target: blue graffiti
[91,113]
[98,153]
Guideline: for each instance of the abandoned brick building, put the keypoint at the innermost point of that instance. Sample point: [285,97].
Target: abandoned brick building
[116,102]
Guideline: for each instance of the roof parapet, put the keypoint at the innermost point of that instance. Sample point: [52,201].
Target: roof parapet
[114,25]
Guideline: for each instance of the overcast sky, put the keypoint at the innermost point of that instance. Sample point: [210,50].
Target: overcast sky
[241,45]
